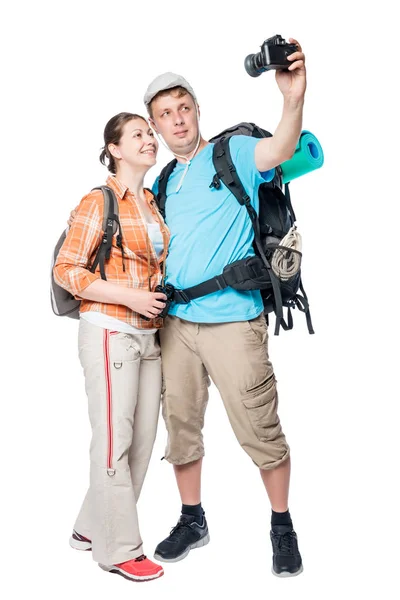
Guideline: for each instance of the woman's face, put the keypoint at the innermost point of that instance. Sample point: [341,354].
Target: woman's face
[138,146]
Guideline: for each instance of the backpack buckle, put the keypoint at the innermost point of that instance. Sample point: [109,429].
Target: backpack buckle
[216,183]
[180,297]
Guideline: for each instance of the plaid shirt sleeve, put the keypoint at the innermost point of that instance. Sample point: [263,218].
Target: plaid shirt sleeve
[83,238]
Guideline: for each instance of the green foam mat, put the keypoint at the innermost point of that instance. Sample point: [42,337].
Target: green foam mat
[308,156]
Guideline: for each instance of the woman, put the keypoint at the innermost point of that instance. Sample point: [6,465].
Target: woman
[118,348]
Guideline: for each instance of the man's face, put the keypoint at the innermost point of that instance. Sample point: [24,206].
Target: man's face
[176,120]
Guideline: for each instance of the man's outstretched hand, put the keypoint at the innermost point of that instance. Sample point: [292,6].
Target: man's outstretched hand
[293,82]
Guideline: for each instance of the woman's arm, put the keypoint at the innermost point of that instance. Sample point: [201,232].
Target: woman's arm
[149,304]
[84,236]
[71,272]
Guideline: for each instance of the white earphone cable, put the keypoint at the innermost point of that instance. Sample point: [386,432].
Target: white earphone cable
[188,160]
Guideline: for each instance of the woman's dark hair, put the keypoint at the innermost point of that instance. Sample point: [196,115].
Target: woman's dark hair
[112,135]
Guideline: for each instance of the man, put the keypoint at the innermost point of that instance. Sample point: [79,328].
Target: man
[222,335]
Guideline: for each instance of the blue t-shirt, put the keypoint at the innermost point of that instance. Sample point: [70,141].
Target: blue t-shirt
[210,229]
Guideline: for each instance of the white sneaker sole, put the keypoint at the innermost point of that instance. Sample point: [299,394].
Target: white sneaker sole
[118,571]
[203,542]
[286,573]
[78,545]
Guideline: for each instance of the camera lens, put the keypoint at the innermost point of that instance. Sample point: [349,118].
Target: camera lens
[251,65]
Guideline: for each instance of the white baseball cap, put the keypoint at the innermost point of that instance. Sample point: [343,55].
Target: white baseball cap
[166,81]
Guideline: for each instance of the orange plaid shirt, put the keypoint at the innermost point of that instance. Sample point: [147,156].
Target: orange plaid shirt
[84,237]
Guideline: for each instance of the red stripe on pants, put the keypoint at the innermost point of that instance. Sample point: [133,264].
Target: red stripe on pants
[109,398]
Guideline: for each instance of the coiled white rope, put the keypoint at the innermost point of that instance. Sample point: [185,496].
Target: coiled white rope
[285,263]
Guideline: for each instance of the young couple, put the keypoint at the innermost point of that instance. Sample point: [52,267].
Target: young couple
[222,335]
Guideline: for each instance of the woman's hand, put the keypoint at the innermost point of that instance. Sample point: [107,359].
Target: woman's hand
[148,304]
[71,217]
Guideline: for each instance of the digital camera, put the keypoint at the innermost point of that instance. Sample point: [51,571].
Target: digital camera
[273,55]
[168,290]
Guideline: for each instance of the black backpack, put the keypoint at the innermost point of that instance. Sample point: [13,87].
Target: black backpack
[62,302]
[274,221]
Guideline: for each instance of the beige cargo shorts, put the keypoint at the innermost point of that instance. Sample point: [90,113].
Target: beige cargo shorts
[235,356]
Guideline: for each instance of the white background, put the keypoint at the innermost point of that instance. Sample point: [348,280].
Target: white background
[66,69]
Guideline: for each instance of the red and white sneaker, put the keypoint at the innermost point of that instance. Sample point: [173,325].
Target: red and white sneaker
[138,569]
[79,542]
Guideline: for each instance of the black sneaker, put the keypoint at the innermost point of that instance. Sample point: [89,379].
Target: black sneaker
[286,561]
[185,536]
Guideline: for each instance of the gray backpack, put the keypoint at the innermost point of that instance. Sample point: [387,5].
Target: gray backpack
[62,302]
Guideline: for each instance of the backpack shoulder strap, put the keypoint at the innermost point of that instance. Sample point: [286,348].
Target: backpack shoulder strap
[110,226]
[161,197]
[226,172]
[110,206]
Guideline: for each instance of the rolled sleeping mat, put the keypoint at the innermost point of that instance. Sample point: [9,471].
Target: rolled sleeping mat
[308,156]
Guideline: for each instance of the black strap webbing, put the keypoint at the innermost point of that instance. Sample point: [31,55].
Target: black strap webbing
[202,289]
[300,302]
[307,309]
[289,203]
